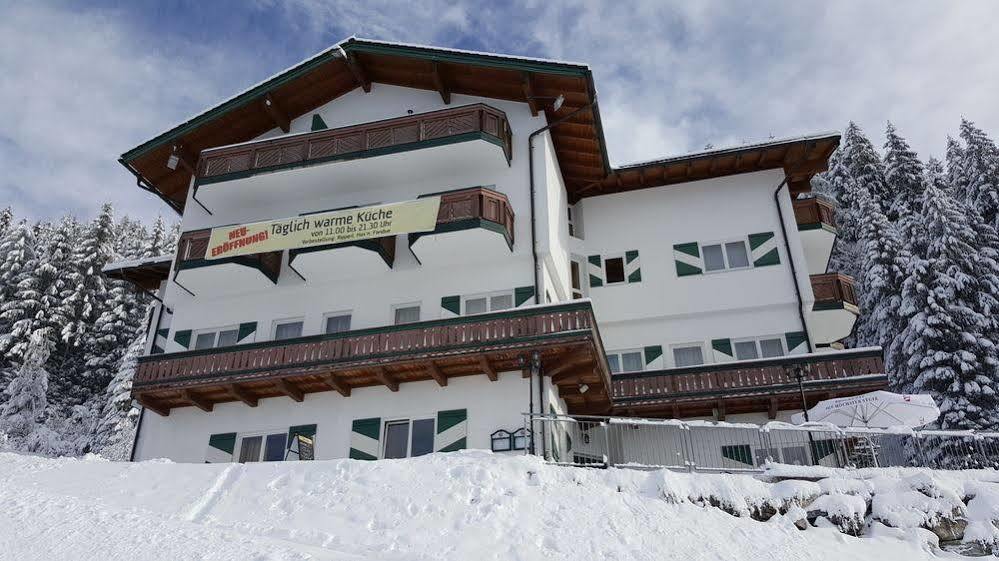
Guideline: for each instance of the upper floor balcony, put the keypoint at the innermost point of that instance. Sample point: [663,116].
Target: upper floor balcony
[472,225]
[747,386]
[199,275]
[564,336]
[445,143]
[835,310]
[816,219]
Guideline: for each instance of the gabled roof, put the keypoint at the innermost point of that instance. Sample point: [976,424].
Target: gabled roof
[355,63]
[146,274]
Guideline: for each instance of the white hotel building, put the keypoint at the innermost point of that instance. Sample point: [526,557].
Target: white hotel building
[552,282]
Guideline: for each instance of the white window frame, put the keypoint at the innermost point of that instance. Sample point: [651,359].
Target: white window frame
[216,331]
[722,242]
[409,440]
[417,304]
[624,269]
[620,354]
[583,277]
[340,313]
[573,222]
[759,350]
[489,300]
[282,321]
[699,344]
[263,445]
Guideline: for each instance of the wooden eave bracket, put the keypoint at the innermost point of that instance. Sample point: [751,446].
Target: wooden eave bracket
[360,76]
[198,402]
[240,394]
[387,380]
[289,390]
[441,83]
[528,85]
[436,374]
[153,406]
[276,114]
[338,385]
[488,369]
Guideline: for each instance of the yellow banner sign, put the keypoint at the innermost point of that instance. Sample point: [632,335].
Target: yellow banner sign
[324,228]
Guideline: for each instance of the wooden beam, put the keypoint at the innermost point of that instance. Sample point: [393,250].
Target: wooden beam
[240,394]
[441,83]
[278,116]
[289,390]
[528,85]
[807,167]
[675,410]
[384,378]
[436,374]
[338,385]
[360,76]
[153,406]
[488,369]
[720,410]
[198,402]
[772,409]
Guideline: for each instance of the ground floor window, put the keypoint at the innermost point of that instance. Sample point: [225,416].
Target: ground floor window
[408,438]
[263,447]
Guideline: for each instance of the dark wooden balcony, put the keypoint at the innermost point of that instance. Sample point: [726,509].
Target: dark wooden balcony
[814,213]
[412,132]
[833,291]
[192,249]
[747,386]
[563,335]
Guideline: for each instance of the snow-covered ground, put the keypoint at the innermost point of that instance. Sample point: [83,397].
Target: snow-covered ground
[462,506]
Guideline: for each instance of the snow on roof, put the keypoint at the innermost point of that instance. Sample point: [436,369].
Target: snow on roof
[464,52]
[732,148]
[133,263]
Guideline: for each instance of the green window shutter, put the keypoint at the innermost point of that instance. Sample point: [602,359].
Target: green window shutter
[522,295]
[632,266]
[451,304]
[452,430]
[595,267]
[796,342]
[183,338]
[652,353]
[764,249]
[318,123]
[220,448]
[723,346]
[245,330]
[687,257]
[365,441]
[739,452]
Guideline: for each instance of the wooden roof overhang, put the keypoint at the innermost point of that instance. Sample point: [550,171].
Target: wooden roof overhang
[800,158]
[145,274]
[564,336]
[354,63]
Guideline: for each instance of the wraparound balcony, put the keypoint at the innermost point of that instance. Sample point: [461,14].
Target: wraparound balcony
[440,143]
[230,275]
[565,337]
[472,225]
[816,219]
[835,310]
[747,386]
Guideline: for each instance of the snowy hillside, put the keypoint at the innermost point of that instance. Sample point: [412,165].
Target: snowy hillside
[467,505]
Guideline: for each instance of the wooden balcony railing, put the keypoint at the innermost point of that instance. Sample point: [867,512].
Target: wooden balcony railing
[369,354]
[193,247]
[368,139]
[768,375]
[466,208]
[833,291]
[814,213]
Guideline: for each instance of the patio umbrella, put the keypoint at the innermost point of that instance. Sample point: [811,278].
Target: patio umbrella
[878,409]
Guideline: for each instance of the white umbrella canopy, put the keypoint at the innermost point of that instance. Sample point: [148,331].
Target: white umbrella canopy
[878,409]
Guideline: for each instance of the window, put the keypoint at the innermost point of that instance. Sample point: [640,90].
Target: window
[728,255]
[287,329]
[409,438]
[763,347]
[489,303]
[336,323]
[575,224]
[577,280]
[409,313]
[687,355]
[263,447]
[215,338]
[614,268]
[625,361]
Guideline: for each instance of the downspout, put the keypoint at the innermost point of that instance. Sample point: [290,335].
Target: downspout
[534,239]
[790,261]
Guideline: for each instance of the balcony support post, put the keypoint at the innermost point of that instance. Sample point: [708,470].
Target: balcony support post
[332,381]
[241,395]
[487,369]
[289,390]
[385,379]
[198,402]
[436,374]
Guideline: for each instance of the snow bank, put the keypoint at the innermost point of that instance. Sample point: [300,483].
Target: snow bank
[465,505]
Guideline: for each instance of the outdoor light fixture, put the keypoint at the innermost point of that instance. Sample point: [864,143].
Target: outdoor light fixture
[172,161]
[583,388]
[556,103]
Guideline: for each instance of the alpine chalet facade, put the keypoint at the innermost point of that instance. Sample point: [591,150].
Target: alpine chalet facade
[390,250]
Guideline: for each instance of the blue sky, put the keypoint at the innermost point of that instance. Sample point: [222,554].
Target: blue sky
[82,84]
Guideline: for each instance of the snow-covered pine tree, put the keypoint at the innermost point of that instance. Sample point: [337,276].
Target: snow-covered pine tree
[116,426]
[956,182]
[946,300]
[903,176]
[158,241]
[17,263]
[23,411]
[6,219]
[980,170]
[112,332]
[884,260]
